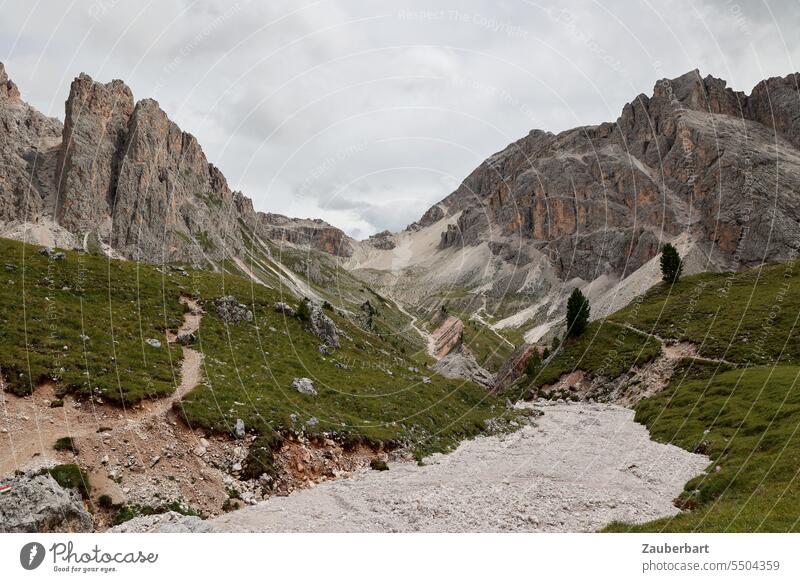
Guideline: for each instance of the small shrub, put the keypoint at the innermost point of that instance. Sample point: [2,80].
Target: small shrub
[65,444]
[378,465]
[303,311]
[260,459]
[57,403]
[70,476]
[105,501]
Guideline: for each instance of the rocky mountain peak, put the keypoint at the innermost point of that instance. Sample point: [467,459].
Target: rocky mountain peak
[695,158]
[95,130]
[8,90]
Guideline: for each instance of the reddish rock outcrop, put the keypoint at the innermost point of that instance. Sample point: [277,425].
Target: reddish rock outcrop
[447,336]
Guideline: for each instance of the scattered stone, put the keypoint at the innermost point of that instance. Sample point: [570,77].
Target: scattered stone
[52,254]
[170,522]
[231,311]
[426,380]
[152,342]
[304,386]
[239,429]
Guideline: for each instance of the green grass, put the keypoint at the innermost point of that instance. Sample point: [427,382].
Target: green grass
[604,349]
[366,391]
[747,418]
[748,422]
[82,323]
[748,317]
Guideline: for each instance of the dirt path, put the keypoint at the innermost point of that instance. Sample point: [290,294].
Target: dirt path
[678,350]
[577,469]
[29,426]
[424,334]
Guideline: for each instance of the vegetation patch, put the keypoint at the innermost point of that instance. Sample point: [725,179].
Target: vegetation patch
[747,422]
[604,349]
[70,476]
[65,444]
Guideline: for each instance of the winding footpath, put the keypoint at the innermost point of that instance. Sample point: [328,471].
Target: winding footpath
[31,427]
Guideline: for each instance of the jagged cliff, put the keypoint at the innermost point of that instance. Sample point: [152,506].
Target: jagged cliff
[713,170]
[694,157]
[122,171]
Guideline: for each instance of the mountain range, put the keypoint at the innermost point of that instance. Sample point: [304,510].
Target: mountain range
[696,163]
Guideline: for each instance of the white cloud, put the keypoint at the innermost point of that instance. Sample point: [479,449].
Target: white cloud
[367,113]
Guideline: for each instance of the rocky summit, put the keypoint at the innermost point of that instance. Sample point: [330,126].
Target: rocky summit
[120,174]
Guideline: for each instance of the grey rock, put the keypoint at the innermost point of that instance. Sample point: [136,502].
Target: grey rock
[323,326]
[231,311]
[304,386]
[152,342]
[170,522]
[37,504]
[239,429]
[285,309]
[462,364]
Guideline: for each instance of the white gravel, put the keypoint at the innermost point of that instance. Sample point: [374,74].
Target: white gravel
[578,468]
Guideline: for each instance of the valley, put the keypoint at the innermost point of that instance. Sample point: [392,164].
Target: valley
[172,358]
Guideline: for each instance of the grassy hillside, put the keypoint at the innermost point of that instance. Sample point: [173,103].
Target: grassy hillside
[84,322]
[743,414]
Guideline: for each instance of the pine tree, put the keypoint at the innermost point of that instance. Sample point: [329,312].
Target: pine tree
[671,264]
[577,313]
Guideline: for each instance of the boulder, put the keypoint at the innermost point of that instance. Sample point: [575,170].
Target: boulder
[323,326]
[304,386]
[462,364]
[239,429]
[38,504]
[231,311]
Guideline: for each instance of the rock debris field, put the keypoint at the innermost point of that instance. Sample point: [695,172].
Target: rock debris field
[577,468]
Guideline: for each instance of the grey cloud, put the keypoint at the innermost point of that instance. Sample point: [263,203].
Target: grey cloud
[364,113]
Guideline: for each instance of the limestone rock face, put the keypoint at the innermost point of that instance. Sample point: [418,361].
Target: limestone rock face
[95,132]
[37,504]
[694,157]
[312,233]
[28,144]
[123,171]
[447,336]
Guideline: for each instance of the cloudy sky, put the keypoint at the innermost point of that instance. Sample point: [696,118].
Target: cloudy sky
[365,113]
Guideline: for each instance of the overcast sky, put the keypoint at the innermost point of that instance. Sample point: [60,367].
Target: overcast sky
[365,113]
